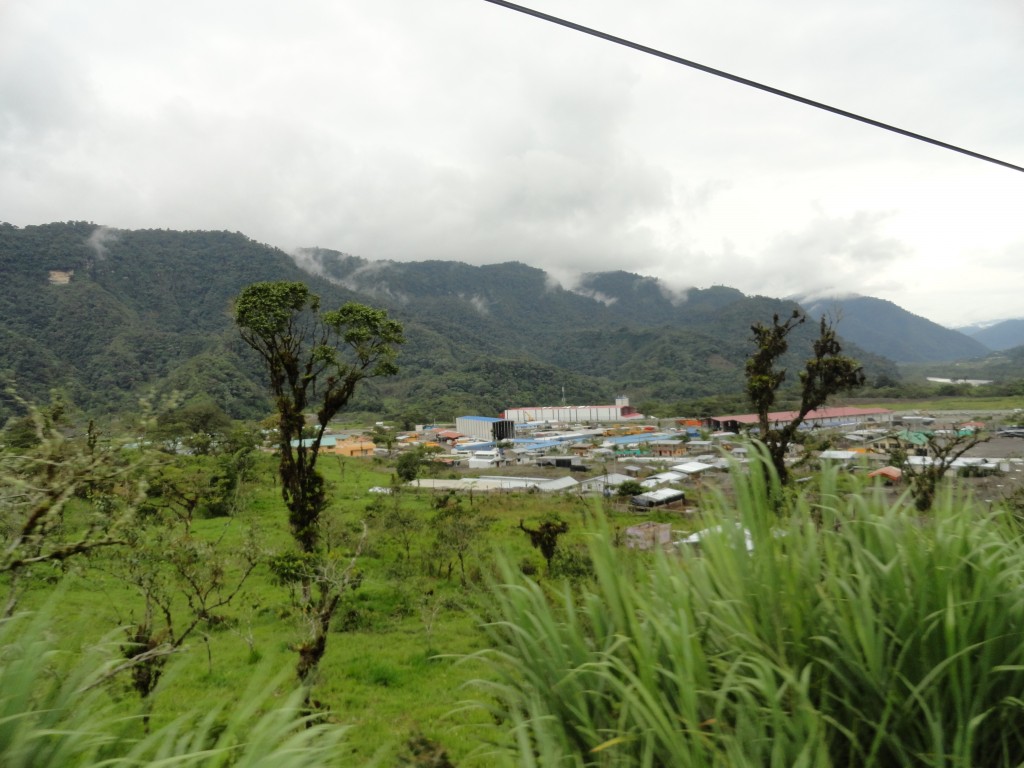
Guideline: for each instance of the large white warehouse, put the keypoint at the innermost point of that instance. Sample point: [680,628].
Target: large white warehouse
[486,428]
[574,414]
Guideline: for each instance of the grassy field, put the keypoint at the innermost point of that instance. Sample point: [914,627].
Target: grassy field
[840,628]
[843,630]
[951,404]
[396,665]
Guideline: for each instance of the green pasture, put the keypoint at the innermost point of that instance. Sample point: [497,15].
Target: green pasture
[395,666]
[844,630]
[939,404]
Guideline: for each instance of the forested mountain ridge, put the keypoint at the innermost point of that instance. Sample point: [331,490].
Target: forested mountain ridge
[1003,335]
[141,312]
[111,316]
[891,331]
[626,333]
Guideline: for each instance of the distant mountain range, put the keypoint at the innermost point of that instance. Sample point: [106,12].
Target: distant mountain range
[999,336]
[112,316]
[886,329]
[874,325]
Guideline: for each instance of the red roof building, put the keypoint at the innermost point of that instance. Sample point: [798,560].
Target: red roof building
[821,417]
[891,474]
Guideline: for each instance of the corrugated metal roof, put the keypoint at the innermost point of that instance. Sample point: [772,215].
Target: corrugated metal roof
[837,455]
[611,479]
[559,484]
[916,438]
[496,483]
[463,447]
[820,413]
[326,442]
[643,437]
[692,467]
[893,473]
[667,477]
[662,495]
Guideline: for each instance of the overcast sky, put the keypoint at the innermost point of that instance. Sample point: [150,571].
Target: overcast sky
[458,129]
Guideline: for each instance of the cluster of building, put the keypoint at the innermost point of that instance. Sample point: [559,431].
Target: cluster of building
[604,446]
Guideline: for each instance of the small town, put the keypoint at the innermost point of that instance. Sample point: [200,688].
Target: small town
[596,449]
[462,384]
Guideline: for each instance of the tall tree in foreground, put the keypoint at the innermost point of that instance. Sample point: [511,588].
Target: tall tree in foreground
[825,373]
[314,360]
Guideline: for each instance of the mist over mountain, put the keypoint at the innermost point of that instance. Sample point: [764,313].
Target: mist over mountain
[111,317]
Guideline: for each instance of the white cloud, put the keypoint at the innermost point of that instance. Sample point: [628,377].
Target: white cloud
[462,130]
[596,296]
[100,239]
[479,303]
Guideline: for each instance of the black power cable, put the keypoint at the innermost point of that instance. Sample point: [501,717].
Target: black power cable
[751,83]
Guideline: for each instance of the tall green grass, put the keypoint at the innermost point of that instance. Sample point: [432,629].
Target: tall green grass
[855,633]
[56,712]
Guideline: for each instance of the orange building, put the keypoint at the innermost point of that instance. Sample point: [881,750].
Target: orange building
[354,446]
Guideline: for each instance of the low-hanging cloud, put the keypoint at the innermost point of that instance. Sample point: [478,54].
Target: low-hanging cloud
[455,131]
[479,303]
[830,255]
[99,241]
[596,296]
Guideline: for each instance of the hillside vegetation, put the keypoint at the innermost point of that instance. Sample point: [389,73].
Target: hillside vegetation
[891,331]
[848,631]
[1003,335]
[108,317]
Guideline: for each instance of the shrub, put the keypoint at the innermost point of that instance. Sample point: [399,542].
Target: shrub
[573,563]
[629,488]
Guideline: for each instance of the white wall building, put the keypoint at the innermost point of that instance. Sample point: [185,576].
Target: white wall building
[574,414]
[486,428]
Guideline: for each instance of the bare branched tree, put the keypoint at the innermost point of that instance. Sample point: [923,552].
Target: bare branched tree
[826,373]
[940,452]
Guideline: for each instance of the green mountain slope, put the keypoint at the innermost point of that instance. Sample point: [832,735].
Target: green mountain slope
[111,316]
[138,312]
[892,332]
[1003,335]
[1004,366]
[615,333]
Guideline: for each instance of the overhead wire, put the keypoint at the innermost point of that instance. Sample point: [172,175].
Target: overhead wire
[751,83]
